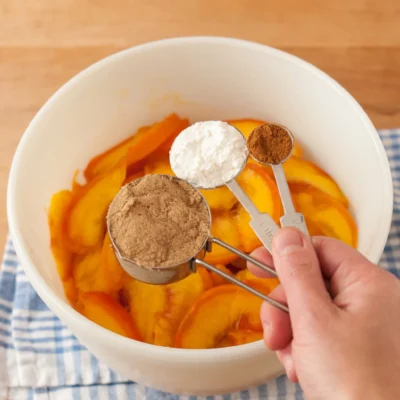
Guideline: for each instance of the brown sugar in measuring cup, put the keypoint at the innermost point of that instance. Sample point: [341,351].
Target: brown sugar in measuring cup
[158,221]
[164,248]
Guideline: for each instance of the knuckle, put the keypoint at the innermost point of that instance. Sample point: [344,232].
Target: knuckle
[298,263]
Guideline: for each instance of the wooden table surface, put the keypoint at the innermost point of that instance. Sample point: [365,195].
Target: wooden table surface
[44,43]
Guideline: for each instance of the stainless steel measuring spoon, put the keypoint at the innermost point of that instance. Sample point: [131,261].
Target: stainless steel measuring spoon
[291,217]
[164,275]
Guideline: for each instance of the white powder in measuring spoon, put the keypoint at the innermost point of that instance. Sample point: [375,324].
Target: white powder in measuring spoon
[208,154]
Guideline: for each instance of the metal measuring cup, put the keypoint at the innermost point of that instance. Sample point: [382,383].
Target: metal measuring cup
[290,217]
[165,275]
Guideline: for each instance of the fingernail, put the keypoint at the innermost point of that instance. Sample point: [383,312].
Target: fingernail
[264,321]
[266,327]
[287,241]
[288,364]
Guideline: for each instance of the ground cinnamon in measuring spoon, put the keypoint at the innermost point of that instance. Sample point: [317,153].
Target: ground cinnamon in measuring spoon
[158,221]
[269,144]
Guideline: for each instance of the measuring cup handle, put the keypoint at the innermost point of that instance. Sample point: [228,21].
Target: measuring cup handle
[235,281]
[246,257]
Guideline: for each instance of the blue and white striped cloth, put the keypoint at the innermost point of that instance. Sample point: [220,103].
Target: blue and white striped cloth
[41,360]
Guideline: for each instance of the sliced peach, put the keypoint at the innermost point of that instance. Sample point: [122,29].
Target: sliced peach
[264,285]
[154,137]
[303,171]
[224,342]
[246,126]
[110,273]
[237,265]
[158,310]
[161,166]
[326,212]
[220,199]
[262,190]
[86,224]
[106,161]
[145,303]
[102,309]
[206,277]
[99,270]
[224,228]
[165,147]
[297,150]
[314,229]
[240,336]
[85,271]
[181,296]
[219,280]
[216,312]
[59,205]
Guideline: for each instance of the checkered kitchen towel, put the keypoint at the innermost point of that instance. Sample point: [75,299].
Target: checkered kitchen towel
[41,360]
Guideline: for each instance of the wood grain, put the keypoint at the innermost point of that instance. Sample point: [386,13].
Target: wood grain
[43,44]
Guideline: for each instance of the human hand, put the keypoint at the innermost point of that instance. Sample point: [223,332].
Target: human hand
[345,345]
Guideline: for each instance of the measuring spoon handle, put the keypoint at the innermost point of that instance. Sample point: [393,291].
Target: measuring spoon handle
[261,223]
[290,217]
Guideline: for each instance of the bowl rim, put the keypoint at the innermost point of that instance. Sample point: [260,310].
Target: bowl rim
[166,354]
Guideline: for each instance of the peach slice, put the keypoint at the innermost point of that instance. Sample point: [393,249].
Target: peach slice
[161,166]
[297,150]
[59,205]
[110,272]
[303,171]
[217,279]
[243,336]
[325,212]
[99,270]
[263,285]
[216,312]
[262,190]
[106,161]
[85,271]
[224,228]
[145,303]
[240,336]
[246,126]
[102,309]
[146,140]
[158,310]
[220,199]
[154,137]
[86,224]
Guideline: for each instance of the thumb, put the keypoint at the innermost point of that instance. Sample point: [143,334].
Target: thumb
[299,271]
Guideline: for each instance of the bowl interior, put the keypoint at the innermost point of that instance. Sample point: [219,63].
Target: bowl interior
[201,78]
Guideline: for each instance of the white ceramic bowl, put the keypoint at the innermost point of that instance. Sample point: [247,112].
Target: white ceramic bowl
[201,78]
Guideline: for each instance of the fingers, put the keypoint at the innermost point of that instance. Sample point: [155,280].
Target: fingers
[341,264]
[332,253]
[263,255]
[299,272]
[276,323]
